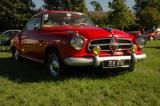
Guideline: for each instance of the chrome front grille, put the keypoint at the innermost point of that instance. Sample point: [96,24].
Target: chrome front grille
[104,44]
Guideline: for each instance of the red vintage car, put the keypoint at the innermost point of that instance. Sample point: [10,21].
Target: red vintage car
[64,38]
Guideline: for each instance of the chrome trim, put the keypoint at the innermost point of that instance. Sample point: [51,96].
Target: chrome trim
[73,61]
[108,44]
[92,61]
[94,40]
[122,49]
[96,61]
[125,66]
[120,44]
[141,57]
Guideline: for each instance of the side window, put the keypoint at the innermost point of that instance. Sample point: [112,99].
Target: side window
[8,34]
[35,23]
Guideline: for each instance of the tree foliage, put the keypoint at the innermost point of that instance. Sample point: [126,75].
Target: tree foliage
[149,17]
[14,13]
[98,17]
[148,12]
[74,5]
[120,16]
[142,4]
[96,5]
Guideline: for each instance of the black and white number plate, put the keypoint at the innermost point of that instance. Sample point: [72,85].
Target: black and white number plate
[114,63]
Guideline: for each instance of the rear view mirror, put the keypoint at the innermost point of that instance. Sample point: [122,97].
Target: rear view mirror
[36,27]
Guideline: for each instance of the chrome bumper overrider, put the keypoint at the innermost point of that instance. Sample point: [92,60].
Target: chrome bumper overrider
[96,61]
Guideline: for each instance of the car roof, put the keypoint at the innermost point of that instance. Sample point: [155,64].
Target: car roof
[10,30]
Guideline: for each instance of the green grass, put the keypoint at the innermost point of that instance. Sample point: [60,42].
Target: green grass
[26,83]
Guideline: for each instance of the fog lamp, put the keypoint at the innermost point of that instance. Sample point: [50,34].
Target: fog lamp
[96,50]
[134,48]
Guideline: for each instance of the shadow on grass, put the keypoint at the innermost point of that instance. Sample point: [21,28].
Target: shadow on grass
[28,71]
[153,47]
[23,70]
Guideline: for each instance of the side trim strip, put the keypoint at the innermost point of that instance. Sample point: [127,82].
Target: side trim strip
[33,59]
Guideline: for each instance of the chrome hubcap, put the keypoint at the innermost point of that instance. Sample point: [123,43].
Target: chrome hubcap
[54,66]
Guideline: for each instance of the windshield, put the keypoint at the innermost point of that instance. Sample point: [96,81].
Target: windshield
[62,19]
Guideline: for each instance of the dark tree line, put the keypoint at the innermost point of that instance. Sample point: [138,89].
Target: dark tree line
[148,13]
[74,5]
[15,13]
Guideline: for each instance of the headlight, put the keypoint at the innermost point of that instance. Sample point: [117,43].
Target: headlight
[141,41]
[77,42]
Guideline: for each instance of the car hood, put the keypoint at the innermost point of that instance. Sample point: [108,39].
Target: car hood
[91,32]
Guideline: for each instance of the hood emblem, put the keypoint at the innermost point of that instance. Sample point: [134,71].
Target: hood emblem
[114,44]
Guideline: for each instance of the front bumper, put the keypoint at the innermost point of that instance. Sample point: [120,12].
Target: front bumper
[96,61]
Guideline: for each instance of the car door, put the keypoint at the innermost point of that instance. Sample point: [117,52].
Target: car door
[29,39]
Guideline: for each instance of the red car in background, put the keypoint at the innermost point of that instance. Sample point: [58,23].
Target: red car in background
[153,34]
[64,38]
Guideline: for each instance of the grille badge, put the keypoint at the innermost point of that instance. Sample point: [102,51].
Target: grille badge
[114,44]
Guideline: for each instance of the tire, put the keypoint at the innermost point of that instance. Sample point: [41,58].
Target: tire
[15,54]
[131,66]
[54,65]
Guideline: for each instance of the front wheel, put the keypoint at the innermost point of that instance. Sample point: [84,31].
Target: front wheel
[132,64]
[54,64]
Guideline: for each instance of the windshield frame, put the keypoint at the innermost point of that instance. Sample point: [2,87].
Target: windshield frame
[90,22]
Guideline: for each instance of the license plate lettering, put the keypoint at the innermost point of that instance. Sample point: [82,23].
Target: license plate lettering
[113,63]
[120,63]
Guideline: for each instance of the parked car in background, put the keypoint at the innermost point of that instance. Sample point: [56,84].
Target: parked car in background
[5,36]
[63,38]
[153,34]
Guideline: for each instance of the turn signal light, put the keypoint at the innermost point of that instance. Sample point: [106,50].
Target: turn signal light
[96,50]
[134,48]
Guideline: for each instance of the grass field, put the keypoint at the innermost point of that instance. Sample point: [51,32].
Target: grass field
[26,83]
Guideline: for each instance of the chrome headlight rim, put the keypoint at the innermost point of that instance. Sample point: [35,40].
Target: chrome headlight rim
[141,41]
[77,42]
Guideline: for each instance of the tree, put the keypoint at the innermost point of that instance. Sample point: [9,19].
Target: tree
[147,12]
[149,17]
[15,13]
[96,5]
[74,5]
[142,4]
[120,16]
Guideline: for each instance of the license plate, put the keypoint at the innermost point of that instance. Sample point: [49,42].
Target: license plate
[113,63]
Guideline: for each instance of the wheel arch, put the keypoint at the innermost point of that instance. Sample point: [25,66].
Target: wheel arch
[50,49]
